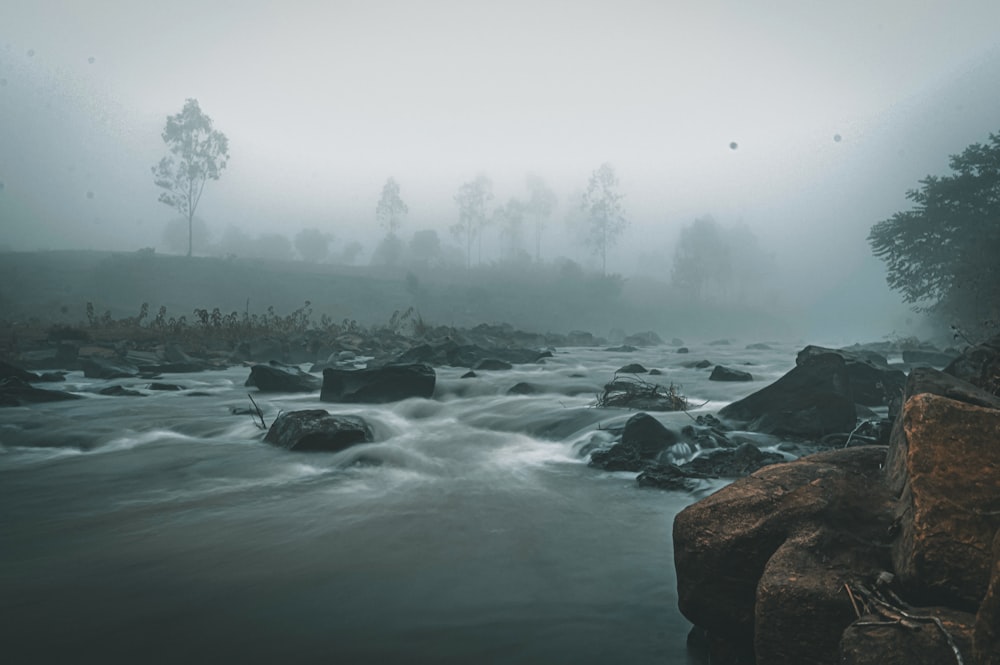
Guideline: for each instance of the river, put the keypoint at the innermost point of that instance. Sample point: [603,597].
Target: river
[161,529]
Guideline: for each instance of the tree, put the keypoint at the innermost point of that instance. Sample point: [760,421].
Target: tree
[510,218]
[198,154]
[702,259]
[312,244]
[605,214]
[942,254]
[390,209]
[472,198]
[178,232]
[541,202]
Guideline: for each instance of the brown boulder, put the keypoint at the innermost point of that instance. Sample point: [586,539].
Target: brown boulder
[872,640]
[944,465]
[724,544]
[987,634]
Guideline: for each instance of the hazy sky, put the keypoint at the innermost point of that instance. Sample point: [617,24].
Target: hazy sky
[324,100]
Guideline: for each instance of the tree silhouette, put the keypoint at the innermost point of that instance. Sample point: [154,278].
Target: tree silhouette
[602,204]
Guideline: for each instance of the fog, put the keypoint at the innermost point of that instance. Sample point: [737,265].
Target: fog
[803,122]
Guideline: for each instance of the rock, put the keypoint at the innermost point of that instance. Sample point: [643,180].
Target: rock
[683,349]
[378,385]
[668,477]
[469,375]
[173,353]
[866,643]
[943,464]
[523,388]
[632,368]
[697,364]
[931,357]
[100,367]
[156,385]
[580,338]
[119,391]
[873,382]
[624,348]
[813,399]
[315,430]
[830,505]
[732,462]
[16,392]
[721,373]
[648,338]
[979,365]
[7,371]
[492,364]
[275,377]
[986,639]
[676,341]
[643,439]
[936,382]
[655,372]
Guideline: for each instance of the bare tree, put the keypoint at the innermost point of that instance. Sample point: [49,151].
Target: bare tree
[472,198]
[602,203]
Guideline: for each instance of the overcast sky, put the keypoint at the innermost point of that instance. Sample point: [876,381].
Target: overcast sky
[322,101]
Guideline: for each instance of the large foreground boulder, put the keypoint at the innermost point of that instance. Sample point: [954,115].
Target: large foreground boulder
[762,562]
[276,377]
[389,383]
[315,430]
[812,400]
[944,465]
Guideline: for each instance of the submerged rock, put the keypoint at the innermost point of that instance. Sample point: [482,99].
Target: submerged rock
[315,430]
[389,383]
[276,377]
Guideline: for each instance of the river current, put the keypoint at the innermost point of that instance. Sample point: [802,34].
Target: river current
[162,529]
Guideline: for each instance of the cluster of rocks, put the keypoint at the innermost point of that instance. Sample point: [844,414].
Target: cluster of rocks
[860,555]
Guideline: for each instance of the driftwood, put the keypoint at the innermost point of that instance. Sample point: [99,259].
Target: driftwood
[631,392]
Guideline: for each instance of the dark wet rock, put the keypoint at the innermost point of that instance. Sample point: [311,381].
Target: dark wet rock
[936,382]
[16,392]
[52,377]
[389,383]
[683,349]
[643,439]
[492,364]
[523,388]
[173,353]
[733,462]
[8,371]
[669,477]
[648,338]
[119,391]
[624,348]
[469,375]
[722,373]
[315,430]
[697,364]
[166,387]
[655,372]
[632,368]
[580,338]
[276,377]
[811,400]
[873,382]
[454,354]
[766,558]
[100,367]
[872,640]
[928,357]
[979,365]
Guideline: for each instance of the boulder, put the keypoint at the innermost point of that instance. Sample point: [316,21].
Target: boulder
[7,371]
[813,399]
[721,373]
[697,364]
[101,367]
[523,388]
[276,377]
[119,391]
[930,357]
[732,462]
[669,477]
[943,465]
[315,430]
[986,638]
[389,383]
[632,368]
[492,364]
[822,511]
[873,382]
[648,338]
[871,640]
[979,365]
[643,439]
[16,392]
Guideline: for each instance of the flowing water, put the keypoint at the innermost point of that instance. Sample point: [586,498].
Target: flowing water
[161,529]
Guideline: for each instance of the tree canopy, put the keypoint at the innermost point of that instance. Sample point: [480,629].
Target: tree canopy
[198,153]
[390,209]
[472,199]
[943,255]
[602,203]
